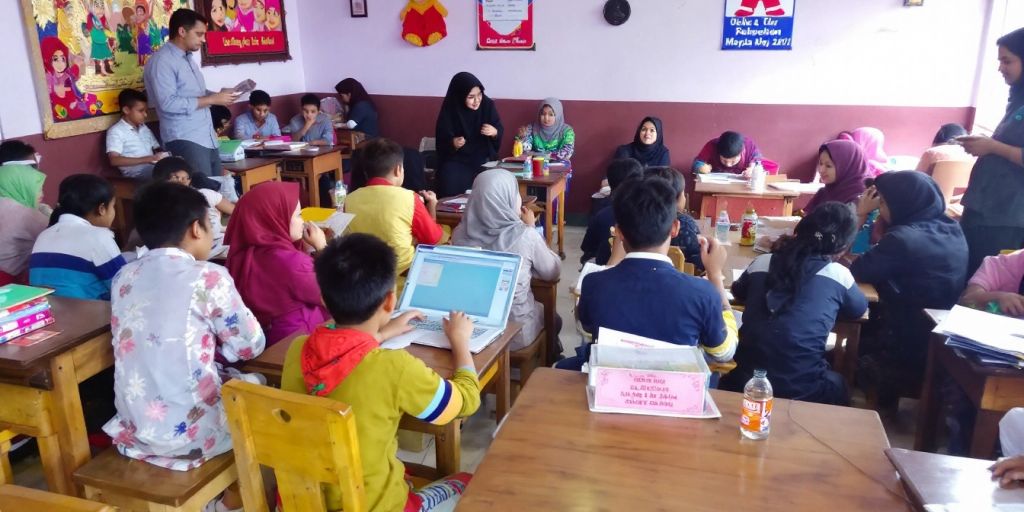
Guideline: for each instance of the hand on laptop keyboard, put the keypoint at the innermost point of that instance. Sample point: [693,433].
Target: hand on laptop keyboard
[434,325]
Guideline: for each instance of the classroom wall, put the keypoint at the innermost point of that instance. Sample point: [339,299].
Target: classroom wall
[913,69]
[19,111]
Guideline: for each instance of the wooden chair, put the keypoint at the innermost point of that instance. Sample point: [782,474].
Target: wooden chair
[6,474]
[679,261]
[15,498]
[124,191]
[348,139]
[131,484]
[429,144]
[267,424]
[538,353]
[952,177]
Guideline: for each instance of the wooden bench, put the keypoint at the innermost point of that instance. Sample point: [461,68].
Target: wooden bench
[15,498]
[131,484]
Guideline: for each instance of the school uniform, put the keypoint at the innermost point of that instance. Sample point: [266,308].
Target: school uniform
[245,127]
[646,296]
[1002,273]
[213,215]
[322,129]
[133,142]
[76,259]
[785,332]
[595,240]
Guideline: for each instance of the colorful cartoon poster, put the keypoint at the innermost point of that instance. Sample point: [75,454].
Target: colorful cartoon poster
[505,25]
[758,25]
[84,52]
[244,31]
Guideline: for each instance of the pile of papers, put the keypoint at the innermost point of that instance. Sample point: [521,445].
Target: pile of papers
[994,339]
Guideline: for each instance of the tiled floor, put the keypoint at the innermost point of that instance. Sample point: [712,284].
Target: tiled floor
[478,430]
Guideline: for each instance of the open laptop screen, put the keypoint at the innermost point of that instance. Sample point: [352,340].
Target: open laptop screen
[479,283]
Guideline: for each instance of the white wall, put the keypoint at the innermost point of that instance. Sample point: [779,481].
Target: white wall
[846,52]
[19,112]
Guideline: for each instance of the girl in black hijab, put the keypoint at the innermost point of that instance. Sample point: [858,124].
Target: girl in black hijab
[468,134]
[648,146]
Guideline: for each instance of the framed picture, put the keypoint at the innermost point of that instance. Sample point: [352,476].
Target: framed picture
[84,52]
[358,8]
[505,25]
[244,31]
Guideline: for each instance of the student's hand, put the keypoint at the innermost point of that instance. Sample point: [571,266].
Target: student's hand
[869,202]
[314,236]
[978,145]
[528,217]
[488,130]
[522,132]
[1011,304]
[400,324]
[704,169]
[713,255]
[747,172]
[458,142]
[1009,471]
[429,197]
[225,97]
[310,119]
[458,327]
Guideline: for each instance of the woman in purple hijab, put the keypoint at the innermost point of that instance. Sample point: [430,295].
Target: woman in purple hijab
[842,167]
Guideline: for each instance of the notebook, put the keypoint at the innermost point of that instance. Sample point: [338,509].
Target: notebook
[445,278]
[13,295]
[943,483]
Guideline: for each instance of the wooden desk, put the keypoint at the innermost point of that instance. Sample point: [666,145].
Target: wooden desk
[253,171]
[554,454]
[452,219]
[492,365]
[554,186]
[39,386]
[769,202]
[307,166]
[942,480]
[992,390]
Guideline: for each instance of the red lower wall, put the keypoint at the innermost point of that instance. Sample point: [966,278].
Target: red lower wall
[788,134]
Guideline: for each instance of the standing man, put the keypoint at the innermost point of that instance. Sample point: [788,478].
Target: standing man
[178,92]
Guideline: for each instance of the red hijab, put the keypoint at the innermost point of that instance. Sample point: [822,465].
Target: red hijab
[259,237]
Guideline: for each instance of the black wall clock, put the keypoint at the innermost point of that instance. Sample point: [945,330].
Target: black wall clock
[616,12]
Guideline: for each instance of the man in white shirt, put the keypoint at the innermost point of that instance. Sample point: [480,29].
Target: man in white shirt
[131,146]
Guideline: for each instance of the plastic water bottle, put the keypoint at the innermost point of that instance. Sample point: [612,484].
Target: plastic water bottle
[528,167]
[339,195]
[722,227]
[755,420]
[758,177]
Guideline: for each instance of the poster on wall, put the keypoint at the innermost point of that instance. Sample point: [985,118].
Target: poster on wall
[758,25]
[84,52]
[505,25]
[244,31]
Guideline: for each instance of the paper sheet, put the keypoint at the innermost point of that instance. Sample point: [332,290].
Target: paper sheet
[338,222]
[1001,333]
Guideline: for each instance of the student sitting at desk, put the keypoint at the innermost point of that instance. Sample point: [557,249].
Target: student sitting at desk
[173,317]
[273,273]
[644,294]
[595,240]
[14,151]
[344,361]
[920,262]
[688,239]
[998,284]
[21,191]
[497,220]
[221,118]
[730,152]
[945,148]
[648,146]
[386,210]
[872,142]
[842,168]
[131,145]
[549,134]
[259,122]
[77,255]
[177,170]
[793,297]
[312,125]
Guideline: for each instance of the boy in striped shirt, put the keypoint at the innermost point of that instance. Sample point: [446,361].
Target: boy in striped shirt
[344,361]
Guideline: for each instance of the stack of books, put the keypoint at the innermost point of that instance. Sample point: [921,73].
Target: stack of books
[992,339]
[23,309]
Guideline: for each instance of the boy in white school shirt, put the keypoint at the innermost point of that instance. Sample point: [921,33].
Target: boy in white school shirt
[131,146]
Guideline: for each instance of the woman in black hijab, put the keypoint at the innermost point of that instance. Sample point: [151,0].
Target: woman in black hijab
[468,134]
[648,146]
[994,203]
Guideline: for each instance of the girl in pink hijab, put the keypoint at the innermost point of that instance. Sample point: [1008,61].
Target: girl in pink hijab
[871,141]
[271,271]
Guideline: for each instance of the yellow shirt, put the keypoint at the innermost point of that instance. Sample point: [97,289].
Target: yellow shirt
[385,385]
[385,212]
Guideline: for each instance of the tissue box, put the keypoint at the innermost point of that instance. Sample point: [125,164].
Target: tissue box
[651,381]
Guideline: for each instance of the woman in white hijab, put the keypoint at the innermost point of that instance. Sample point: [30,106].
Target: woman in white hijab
[496,220]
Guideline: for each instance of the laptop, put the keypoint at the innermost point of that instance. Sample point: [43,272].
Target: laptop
[445,278]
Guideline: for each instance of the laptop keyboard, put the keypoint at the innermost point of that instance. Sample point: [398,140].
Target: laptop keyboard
[434,325]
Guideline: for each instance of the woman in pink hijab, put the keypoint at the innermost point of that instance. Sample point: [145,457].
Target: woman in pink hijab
[871,141]
[271,271]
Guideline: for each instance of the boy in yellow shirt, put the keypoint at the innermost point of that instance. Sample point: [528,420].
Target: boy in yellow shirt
[344,361]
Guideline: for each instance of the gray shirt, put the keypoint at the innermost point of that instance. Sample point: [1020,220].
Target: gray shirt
[174,84]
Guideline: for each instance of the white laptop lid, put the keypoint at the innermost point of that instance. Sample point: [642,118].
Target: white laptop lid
[476,282]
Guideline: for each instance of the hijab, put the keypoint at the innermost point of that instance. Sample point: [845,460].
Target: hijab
[851,169]
[457,119]
[356,89]
[492,218]
[912,197]
[1014,42]
[555,131]
[22,184]
[260,229]
[871,141]
[644,153]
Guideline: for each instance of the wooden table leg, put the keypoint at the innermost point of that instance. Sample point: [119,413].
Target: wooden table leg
[928,407]
[448,449]
[68,420]
[246,183]
[561,222]
[314,183]
[986,431]
[502,387]
[787,206]
[849,368]
[548,210]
